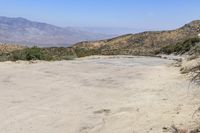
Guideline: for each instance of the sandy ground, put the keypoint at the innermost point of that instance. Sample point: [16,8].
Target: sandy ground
[96,95]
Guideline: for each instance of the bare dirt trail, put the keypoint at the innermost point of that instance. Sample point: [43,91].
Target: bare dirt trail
[95,95]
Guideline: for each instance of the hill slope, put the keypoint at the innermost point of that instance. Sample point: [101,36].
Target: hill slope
[182,40]
[20,30]
[146,43]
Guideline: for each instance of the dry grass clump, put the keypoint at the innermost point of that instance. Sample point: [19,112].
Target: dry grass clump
[174,129]
[195,74]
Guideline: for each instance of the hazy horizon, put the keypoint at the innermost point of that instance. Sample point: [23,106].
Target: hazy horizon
[139,14]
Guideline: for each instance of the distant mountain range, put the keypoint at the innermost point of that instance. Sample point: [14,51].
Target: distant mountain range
[93,41]
[23,31]
[115,31]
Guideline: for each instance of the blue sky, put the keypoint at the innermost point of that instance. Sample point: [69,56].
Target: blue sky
[147,14]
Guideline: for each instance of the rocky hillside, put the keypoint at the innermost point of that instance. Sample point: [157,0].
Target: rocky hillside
[20,30]
[6,48]
[146,43]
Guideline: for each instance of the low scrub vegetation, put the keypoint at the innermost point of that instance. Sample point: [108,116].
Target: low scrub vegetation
[35,53]
[189,47]
[181,47]
[82,52]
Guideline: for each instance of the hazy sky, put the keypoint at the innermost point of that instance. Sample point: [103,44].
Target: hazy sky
[147,14]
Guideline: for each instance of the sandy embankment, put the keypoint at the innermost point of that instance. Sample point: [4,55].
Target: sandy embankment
[102,95]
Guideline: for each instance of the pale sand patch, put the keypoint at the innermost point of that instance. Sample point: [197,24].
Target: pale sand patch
[95,95]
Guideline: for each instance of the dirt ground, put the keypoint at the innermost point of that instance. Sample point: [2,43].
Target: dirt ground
[120,94]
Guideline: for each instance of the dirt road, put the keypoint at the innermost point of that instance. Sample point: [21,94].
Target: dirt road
[95,95]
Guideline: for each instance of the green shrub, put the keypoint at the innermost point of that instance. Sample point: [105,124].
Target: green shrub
[181,47]
[34,53]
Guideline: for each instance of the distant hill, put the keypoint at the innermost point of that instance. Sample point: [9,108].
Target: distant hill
[185,39]
[23,31]
[145,43]
[115,31]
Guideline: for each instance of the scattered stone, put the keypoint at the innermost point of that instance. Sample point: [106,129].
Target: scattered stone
[106,111]
[164,99]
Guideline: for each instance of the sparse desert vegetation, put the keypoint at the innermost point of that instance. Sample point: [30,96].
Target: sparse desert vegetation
[36,53]
[180,48]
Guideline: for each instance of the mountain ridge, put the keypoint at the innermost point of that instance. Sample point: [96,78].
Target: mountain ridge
[144,43]
[20,30]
